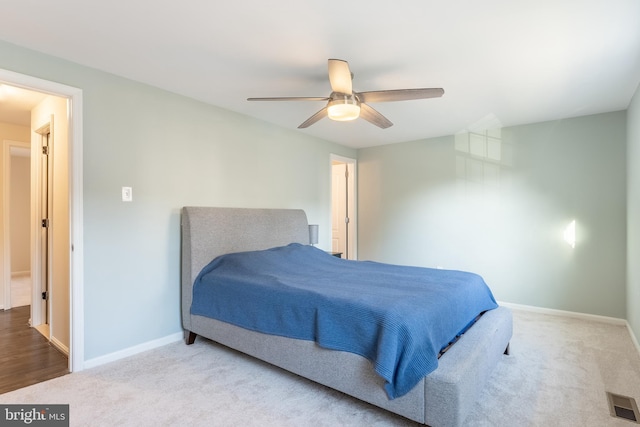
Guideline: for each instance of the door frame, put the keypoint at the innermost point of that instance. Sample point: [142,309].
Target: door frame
[41,308]
[353,212]
[76,251]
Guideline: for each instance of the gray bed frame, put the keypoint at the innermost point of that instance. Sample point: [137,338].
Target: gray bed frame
[442,398]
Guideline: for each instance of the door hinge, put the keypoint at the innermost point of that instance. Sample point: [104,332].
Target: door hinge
[45,295]
[45,223]
[45,149]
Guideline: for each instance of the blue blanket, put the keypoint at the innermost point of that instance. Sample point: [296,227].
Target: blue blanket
[398,317]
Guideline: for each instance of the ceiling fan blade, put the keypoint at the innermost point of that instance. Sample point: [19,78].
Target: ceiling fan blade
[340,76]
[316,117]
[374,117]
[290,98]
[400,94]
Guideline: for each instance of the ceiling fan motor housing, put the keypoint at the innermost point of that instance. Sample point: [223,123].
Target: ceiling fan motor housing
[343,107]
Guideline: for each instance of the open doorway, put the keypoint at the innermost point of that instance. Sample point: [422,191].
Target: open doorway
[16,202]
[57,116]
[343,207]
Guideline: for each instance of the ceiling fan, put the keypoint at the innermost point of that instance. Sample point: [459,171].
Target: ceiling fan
[344,104]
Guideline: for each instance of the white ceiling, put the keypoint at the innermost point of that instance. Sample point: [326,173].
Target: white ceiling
[500,62]
[16,104]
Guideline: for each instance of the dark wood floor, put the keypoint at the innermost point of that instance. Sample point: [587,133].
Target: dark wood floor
[26,357]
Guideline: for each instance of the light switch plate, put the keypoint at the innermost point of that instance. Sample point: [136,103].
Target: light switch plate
[127,194]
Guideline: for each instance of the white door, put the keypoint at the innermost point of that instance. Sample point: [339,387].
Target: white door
[343,215]
[45,236]
[338,211]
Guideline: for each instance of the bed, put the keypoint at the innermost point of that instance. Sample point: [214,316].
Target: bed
[443,397]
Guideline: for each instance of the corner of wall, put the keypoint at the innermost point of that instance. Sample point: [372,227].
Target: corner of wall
[634,339]
[633,216]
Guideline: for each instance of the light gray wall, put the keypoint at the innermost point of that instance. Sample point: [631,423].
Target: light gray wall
[498,204]
[173,151]
[633,216]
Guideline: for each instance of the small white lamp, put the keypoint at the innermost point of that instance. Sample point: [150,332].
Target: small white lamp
[313,234]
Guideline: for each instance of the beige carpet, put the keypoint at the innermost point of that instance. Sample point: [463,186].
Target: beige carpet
[557,375]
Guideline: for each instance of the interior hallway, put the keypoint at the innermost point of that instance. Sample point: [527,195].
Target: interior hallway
[26,357]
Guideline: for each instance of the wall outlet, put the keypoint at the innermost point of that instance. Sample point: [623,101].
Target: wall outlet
[127,194]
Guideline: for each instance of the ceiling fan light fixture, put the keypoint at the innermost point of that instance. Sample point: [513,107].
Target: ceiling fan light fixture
[344,104]
[343,108]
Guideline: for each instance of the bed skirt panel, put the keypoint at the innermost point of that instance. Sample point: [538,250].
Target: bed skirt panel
[442,398]
[342,371]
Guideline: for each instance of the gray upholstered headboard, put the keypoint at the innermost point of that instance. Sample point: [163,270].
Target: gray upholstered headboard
[208,232]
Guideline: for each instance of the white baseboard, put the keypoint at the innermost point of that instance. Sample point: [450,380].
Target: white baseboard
[150,345]
[576,315]
[20,273]
[633,337]
[121,354]
[60,346]
[573,314]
